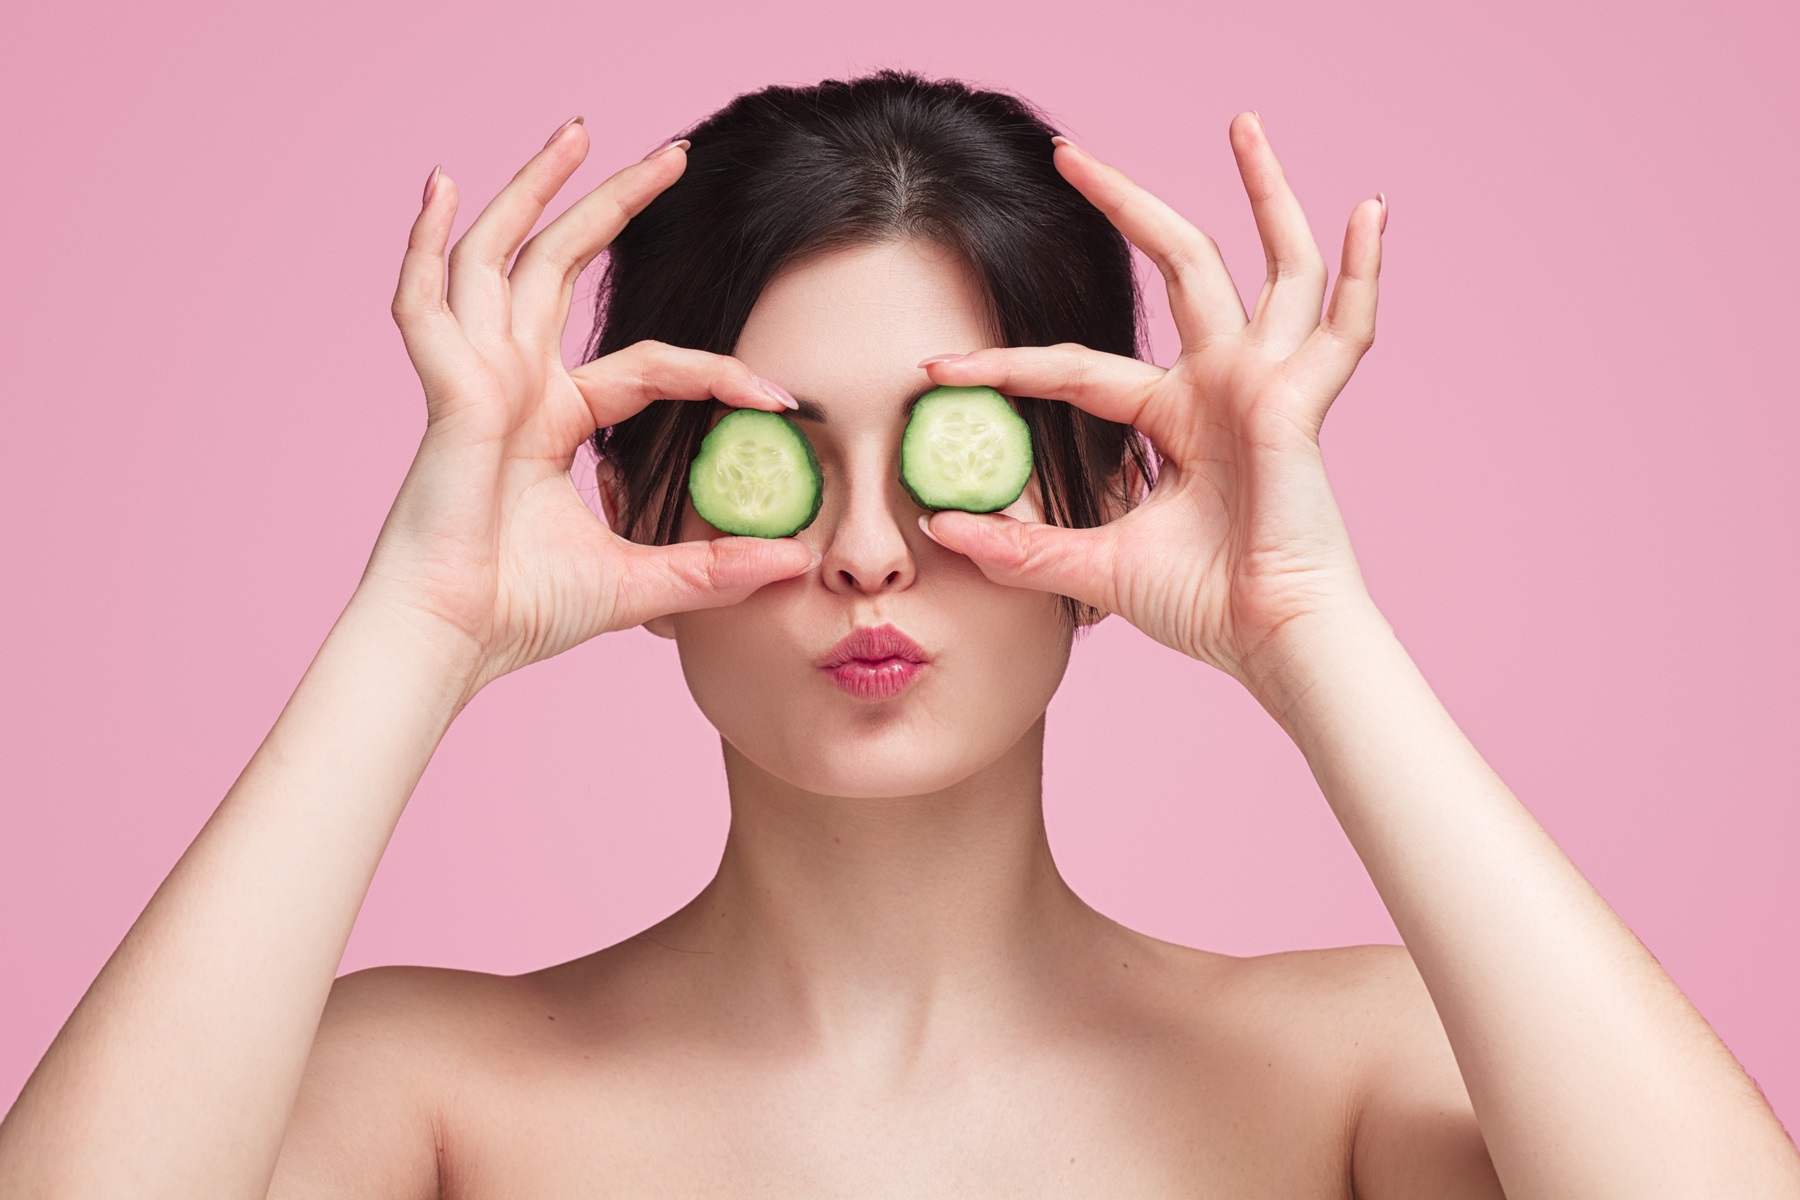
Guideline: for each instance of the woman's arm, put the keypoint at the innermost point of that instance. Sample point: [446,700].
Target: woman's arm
[1590,1072]
[175,1074]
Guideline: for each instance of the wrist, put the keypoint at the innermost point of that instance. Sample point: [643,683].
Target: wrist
[1291,664]
[442,664]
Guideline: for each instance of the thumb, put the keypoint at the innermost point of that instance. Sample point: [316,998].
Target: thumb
[1076,563]
[657,580]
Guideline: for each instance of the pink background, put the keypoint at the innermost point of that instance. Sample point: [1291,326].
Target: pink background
[1566,465]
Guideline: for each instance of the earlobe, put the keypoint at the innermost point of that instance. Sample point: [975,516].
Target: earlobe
[606,476]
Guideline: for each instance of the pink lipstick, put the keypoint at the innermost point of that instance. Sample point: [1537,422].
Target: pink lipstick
[875,662]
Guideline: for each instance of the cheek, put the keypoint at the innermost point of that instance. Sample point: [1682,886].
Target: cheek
[738,657]
[1012,648]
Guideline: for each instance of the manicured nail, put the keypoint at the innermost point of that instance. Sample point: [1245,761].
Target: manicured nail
[1383,198]
[431,185]
[776,390]
[925,524]
[560,130]
[1060,140]
[941,358]
[816,558]
[1258,117]
[668,146]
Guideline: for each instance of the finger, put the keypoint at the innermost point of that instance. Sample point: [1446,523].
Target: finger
[623,382]
[1322,365]
[1108,385]
[434,341]
[1202,298]
[1077,563]
[543,278]
[478,291]
[1288,308]
[656,580]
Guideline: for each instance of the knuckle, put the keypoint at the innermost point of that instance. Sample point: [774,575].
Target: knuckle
[1309,269]
[409,306]
[1357,336]
[711,574]
[1177,264]
[621,213]
[1030,553]
[552,251]
[464,255]
[1077,372]
[1184,256]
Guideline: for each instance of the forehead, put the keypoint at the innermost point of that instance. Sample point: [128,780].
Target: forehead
[851,325]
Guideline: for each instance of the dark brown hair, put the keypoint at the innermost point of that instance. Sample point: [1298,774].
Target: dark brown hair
[786,172]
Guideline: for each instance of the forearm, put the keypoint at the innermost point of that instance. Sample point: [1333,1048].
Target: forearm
[1590,1073]
[176,1072]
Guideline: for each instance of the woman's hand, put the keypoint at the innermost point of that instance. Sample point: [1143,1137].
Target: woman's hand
[488,543]
[1240,542]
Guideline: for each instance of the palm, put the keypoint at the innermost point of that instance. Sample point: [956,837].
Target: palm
[1226,548]
[1240,534]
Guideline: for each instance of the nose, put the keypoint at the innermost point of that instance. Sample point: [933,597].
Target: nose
[867,550]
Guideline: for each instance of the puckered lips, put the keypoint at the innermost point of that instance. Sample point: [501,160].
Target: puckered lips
[875,662]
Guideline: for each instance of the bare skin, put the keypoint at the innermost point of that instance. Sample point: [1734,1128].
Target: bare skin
[887,989]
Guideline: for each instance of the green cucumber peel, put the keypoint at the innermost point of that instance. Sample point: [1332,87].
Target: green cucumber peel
[756,475]
[965,448]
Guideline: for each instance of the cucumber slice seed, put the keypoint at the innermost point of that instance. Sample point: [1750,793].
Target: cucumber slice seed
[756,474]
[965,448]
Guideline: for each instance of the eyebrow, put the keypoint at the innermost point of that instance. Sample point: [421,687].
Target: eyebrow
[810,411]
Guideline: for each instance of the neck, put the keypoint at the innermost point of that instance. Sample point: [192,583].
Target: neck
[852,912]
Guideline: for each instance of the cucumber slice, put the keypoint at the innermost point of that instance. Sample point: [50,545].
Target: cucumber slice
[965,448]
[756,474]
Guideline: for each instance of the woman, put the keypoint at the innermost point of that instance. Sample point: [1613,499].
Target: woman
[887,988]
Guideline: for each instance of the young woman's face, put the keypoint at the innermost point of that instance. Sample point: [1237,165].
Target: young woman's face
[845,332]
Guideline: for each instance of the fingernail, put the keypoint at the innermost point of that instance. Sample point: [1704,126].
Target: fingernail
[1060,140]
[431,185]
[562,129]
[816,556]
[1258,117]
[1383,198]
[925,524]
[667,146]
[941,358]
[776,390]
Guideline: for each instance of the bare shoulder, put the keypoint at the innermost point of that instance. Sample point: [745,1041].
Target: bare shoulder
[1326,1001]
[367,1119]
[1413,1128]
[1369,994]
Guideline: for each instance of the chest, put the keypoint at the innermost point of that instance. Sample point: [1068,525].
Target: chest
[1100,1126]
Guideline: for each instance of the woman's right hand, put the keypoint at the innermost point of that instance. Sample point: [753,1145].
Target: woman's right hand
[488,544]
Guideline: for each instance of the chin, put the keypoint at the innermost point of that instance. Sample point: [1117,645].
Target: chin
[831,743]
[860,765]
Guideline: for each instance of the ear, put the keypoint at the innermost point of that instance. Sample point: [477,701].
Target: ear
[606,475]
[1128,479]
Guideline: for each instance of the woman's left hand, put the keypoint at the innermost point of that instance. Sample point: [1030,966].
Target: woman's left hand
[1239,545]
